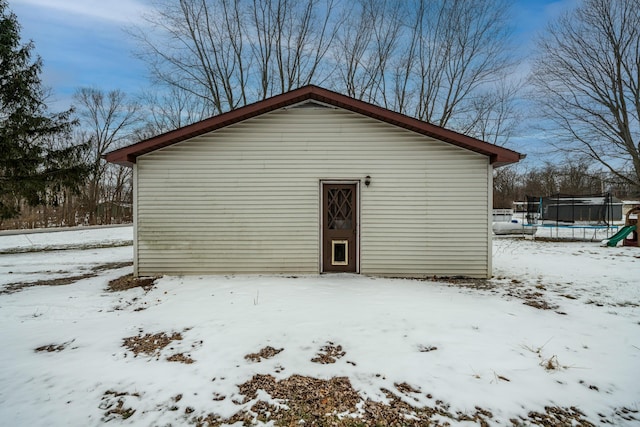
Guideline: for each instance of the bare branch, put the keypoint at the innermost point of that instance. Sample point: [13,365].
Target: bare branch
[587,75]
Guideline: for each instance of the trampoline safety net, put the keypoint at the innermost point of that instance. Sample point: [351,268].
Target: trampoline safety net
[597,209]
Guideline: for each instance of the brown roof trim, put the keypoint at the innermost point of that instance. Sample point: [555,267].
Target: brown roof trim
[127,155]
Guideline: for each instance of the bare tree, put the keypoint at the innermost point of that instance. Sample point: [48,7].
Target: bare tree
[542,181]
[458,48]
[506,185]
[107,121]
[293,37]
[493,114]
[168,110]
[588,77]
[436,60]
[117,195]
[405,90]
[197,46]
[366,46]
[231,52]
[432,59]
[576,177]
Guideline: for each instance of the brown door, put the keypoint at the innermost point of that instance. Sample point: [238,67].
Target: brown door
[339,227]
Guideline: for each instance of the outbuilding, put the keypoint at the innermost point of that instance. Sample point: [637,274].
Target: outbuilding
[312,181]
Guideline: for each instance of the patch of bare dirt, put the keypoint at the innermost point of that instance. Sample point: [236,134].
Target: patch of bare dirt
[400,413]
[113,403]
[334,402]
[180,357]
[531,294]
[61,281]
[554,416]
[465,282]
[330,353]
[51,348]
[153,344]
[627,414]
[150,344]
[266,353]
[313,400]
[539,303]
[129,282]
[610,304]
[111,266]
[67,247]
[305,401]
[301,400]
[406,388]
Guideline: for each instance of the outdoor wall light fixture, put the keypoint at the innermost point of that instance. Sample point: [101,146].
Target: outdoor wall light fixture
[367,180]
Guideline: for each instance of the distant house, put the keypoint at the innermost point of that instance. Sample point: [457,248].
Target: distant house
[312,181]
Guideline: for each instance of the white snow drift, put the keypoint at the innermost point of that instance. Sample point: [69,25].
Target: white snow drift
[489,348]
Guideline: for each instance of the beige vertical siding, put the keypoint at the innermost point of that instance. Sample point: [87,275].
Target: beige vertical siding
[246,199]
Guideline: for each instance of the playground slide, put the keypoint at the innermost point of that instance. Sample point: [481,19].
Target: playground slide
[620,235]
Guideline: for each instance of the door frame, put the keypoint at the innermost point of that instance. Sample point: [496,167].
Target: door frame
[321,185]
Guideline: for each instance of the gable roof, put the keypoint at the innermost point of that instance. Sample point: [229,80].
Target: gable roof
[127,155]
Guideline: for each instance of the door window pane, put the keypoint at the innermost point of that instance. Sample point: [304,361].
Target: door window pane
[340,209]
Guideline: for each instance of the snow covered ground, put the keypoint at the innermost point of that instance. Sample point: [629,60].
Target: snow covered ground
[77,237]
[557,327]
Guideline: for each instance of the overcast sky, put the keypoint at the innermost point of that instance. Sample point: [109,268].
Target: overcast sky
[83,42]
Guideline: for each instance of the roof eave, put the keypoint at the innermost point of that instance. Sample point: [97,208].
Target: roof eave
[127,156]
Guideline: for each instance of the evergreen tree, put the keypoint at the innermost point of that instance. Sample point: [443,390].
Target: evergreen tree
[36,158]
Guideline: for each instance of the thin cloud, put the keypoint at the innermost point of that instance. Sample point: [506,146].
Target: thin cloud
[115,11]
[555,9]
